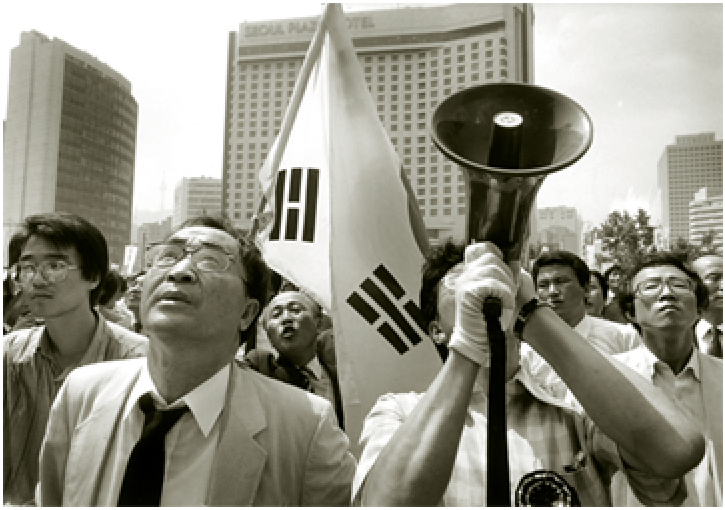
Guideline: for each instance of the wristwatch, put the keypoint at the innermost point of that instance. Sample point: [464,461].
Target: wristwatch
[525,313]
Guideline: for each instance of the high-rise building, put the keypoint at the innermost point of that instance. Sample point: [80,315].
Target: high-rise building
[69,139]
[706,216]
[560,228]
[691,163]
[195,196]
[412,59]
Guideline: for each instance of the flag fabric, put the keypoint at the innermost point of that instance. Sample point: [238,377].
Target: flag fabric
[339,220]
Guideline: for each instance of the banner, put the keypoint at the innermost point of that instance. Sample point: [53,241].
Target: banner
[340,221]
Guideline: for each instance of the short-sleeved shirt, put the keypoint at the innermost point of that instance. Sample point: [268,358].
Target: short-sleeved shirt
[31,381]
[541,434]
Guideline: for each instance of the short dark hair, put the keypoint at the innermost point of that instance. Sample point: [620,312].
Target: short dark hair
[439,260]
[67,230]
[562,258]
[657,259]
[256,271]
[602,281]
[112,284]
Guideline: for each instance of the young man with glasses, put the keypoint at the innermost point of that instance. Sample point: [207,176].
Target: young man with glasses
[60,260]
[709,329]
[665,304]
[232,436]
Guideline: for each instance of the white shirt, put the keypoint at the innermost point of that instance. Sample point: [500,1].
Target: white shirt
[686,389]
[190,444]
[607,336]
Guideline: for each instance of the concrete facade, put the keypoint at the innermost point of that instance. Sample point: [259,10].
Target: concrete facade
[69,142]
[412,59]
[691,163]
[195,196]
[706,211]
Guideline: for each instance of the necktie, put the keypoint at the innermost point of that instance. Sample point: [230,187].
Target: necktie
[292,374]
[144,475]
[715,348]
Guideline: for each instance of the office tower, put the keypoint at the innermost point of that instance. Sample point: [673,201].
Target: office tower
[560,228]
[69,139]
[412,59]
[691,163]
[706,216]
[195,196]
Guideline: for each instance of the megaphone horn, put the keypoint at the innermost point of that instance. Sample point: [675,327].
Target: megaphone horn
[507,137]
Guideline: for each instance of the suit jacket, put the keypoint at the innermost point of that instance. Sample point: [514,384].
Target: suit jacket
[278,445]
[711,376]
[265,363]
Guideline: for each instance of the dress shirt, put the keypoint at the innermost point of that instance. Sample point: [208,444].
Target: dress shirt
[541,433]
[685,388]
[320,382]
[32,378]
[190,444]
[703,332]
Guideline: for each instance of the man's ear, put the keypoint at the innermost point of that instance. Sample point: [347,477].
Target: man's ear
[250,311]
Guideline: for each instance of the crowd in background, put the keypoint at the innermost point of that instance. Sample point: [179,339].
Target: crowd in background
[63,308]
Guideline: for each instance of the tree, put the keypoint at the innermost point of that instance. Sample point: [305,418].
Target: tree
[688,251]
[625,238]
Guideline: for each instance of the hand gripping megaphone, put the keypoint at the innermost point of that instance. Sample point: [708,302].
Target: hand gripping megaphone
[506,137]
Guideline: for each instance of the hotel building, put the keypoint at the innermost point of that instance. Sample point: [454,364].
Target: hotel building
[196,196]
[693,162]
[412,59]
[69,139]
[706,210]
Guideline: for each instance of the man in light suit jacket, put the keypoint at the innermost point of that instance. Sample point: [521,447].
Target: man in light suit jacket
[665,303]
[241,439]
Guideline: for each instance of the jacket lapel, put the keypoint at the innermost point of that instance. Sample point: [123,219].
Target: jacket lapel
[240,459]
[92,439]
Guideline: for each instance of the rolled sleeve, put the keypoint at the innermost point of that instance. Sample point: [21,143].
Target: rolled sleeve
[381,423]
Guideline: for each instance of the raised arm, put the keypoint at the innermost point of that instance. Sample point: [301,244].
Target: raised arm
[649,428]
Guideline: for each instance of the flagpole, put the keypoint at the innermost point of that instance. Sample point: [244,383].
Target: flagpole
[297,92]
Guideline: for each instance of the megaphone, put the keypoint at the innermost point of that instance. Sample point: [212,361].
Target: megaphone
[507,137]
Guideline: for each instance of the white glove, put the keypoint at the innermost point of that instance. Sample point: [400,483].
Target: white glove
[484,275]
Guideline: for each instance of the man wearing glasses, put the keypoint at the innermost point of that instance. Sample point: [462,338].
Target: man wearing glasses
[188,426]
[60,261]
[665,304]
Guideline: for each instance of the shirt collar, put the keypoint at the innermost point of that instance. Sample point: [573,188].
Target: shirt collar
[205,401]
[315,368]
[702,328]
[651,362]
[584,326]
[93,353]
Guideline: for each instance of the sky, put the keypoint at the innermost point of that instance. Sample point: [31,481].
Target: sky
[645,73]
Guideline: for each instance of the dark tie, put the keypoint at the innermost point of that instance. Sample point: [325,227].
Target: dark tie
[715,348]
[144,475]
[293,375]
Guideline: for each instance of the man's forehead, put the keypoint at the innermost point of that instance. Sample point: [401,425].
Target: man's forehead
[39,246]
[555,270]
[199,234]
[289,296]
[657,271]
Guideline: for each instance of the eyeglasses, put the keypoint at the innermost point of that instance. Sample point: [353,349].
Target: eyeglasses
[652,287]
[52,271]
[207,258]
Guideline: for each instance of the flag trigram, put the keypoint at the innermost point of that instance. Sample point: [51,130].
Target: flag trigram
[402,315]
[299,206]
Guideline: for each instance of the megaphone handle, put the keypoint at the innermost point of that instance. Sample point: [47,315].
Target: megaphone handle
[497,472]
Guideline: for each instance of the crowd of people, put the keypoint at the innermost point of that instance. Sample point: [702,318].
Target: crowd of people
[207,379]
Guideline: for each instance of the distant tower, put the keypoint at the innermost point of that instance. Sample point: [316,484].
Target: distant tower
[69,139]
[692,163]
